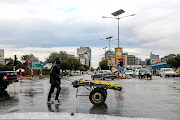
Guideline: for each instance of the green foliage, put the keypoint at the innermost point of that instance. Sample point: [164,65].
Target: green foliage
[92,69]
[174,61]
[66,62]
[52,56]
[148,62]
[86,67]
[27,58]
[8,62]
[103,65]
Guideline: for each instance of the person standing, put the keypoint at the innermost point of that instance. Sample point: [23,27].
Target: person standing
[55,81]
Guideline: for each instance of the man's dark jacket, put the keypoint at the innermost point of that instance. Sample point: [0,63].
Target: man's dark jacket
[55,74]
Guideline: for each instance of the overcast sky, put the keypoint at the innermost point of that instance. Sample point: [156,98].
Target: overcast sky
[44,26]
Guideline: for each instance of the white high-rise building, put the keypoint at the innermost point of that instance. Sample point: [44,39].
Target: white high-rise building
[2,56]
[84,55]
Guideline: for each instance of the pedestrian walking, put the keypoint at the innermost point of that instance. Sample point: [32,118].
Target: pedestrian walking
[55,81]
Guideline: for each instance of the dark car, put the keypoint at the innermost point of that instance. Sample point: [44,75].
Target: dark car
[6,78]
[103,75]
[144,73]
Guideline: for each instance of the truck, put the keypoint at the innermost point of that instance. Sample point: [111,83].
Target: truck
[6,78]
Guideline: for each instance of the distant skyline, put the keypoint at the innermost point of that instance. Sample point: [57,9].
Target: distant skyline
[44,26]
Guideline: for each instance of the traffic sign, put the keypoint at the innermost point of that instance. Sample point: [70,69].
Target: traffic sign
[37,65]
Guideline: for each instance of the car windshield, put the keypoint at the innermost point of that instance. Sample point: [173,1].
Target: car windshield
[169,69]
[129,71]
[144,70]
[100,72]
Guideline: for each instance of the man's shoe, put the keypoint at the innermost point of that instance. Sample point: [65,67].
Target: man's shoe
[50,102]
[57,102]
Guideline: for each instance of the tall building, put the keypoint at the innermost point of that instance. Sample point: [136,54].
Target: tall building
[84,55]
[154,59]
[153,56]
[129,59]
[2,56]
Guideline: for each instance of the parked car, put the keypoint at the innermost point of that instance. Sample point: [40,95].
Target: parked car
[145,73]
[103,75]
[136,73]
[110,75]
[129,73]
[6,78]
[167,72]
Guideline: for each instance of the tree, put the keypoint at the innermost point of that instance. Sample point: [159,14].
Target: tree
[8,62]
[148,62]
[174,61]
[103,65]
[92,69]
[86,67]
[28,58]
[51,59]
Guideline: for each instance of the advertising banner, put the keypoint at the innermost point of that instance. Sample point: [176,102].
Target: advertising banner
[118,53]
[109,62]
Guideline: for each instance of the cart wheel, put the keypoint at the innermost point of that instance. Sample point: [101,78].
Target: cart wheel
[105,91]
[97,96]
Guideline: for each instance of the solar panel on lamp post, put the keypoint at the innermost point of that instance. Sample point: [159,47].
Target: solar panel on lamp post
[117,13]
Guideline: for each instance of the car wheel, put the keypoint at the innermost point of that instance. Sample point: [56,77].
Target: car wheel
[97,96]
[2,88]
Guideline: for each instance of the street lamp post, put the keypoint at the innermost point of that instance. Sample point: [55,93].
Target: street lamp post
[108,40]
[117,13]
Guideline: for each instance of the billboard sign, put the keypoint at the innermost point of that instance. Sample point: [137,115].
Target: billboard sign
[109,62]
[83,61]
[154,61]
[118,53]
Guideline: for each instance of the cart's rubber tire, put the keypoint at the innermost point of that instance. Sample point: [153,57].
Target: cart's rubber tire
[97,96]
[105,91]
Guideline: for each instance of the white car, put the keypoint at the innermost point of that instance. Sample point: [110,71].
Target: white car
[167,72]
[136,73]
[129,73]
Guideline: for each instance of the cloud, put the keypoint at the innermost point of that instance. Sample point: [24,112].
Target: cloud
[32,25]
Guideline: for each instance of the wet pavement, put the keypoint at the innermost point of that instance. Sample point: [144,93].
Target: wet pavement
[141,98]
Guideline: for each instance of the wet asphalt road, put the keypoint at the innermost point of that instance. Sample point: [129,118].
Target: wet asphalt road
[157,98]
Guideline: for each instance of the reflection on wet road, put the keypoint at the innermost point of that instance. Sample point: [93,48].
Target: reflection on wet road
[157,98]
